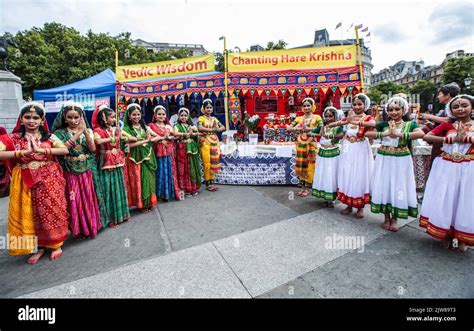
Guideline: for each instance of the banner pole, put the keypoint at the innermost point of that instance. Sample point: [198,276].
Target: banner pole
[116,98]
[360,59]
[226,106]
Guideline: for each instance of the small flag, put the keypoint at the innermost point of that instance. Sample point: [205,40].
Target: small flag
[338,25]
[368,34]
[350,27]
[359,26]
[365,30]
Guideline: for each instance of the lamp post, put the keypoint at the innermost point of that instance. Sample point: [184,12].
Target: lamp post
[226,106]
[467,82]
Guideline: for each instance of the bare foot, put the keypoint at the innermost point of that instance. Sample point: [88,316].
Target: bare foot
[330,204]
[446,243]
[394,226]
[304,193]
[462,248]
[346,211]
[145,210]
[35,258]
[113,225]
[57,253]
[386,225]
[360,213]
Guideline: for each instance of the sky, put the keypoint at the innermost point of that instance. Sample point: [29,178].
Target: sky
[400,30]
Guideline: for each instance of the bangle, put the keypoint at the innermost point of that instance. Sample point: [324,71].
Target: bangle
[127,139]
[112,140]
[378,135]
[15,156]
[467,139]
[406,136]
[22,153]
[448,140]
[361,122]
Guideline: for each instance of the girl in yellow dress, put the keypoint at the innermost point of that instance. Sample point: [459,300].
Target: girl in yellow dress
[306,147]
[210,152]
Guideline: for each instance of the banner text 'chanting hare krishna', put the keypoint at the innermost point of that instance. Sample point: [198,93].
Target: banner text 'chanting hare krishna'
[190,65]
[300,58]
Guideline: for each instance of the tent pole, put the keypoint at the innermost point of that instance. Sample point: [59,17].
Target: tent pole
[360,60]
[226,106]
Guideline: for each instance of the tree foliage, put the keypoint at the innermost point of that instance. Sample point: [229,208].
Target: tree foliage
[385,90]
[457,69]
[426,91]
[280,44]
[54,55]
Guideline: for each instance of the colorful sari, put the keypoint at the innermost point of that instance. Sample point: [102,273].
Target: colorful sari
[110,162]
[187,161]
[38,207]
[140,174]
[166,181]
[210,150]
[86,202]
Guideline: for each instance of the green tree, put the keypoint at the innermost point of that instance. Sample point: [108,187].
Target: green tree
[385,90]
[54,55]
[280,44]
[426,90]
[457,69]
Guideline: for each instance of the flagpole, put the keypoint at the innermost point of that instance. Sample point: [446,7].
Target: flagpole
[360,59]
[226,106]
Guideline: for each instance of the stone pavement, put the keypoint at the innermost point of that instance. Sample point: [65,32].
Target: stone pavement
[246,242]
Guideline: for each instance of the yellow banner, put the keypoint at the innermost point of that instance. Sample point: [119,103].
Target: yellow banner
[300,58]
[190,65]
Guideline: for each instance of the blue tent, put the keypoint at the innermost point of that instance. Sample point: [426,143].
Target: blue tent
[100,85]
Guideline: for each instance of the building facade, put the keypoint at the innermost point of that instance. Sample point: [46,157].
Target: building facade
[157,47]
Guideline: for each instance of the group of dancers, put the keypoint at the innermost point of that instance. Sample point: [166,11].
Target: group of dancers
[344,167]
[77,179]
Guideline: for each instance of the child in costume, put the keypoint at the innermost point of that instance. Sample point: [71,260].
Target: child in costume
[394,187]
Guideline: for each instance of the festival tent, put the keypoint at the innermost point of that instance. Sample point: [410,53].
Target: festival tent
[98,87]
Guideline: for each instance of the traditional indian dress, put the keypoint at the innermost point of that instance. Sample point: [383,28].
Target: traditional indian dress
[86,203]
[306,148]
[325,174]
[38,204]
[166,181]
[356,165]
[210,150]
[187,161]
[394,186]
[110,162]
[448,208]
[140,171]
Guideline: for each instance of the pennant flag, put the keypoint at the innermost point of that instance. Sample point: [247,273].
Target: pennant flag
[231,91]
[291,90]
[338,25]
[316,89]
[350,88]
[195,94]
[324,89]
[342,89]
[333,88]
[244,91]
[307,90]
[237,91]
[350,27]
[299,90]
[203,94]
[368,34]
[275,91]
[252,91]
[365,30]
[283,91]
[359,26]
[267,92]
[259,92]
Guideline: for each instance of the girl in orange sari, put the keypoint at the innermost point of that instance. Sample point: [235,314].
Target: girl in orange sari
[37,216]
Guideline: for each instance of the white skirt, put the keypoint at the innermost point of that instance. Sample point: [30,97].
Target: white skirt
[394,186]
[325,178]
[355,169]
[448,203]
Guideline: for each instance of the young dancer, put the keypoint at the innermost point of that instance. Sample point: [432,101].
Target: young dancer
[356,161]
[166,180]
[394,187]
[140,174]
[187,154]
[210,151]
[306,146]
[447,210]
[325,173]
[38,208]
[86,203]
[110,162]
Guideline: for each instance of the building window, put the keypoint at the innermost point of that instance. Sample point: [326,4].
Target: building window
[267,104]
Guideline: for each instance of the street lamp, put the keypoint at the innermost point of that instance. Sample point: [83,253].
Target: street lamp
[226,106]
[467,82]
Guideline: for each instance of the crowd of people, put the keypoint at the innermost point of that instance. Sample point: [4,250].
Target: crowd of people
[77,179]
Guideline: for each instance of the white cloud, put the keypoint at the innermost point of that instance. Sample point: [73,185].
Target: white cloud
[400,30]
